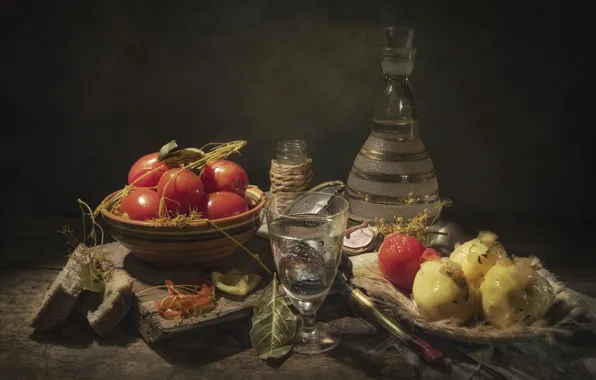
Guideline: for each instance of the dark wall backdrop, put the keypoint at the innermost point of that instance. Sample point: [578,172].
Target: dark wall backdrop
[504,91]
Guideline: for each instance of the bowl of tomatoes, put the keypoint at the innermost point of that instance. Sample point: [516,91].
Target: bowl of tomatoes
[172,216]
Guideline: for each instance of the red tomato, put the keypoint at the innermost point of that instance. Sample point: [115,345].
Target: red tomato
[222,205]
[144,164]
[140,204]
[224,175]
[399,260]
[429,254]
[183,193]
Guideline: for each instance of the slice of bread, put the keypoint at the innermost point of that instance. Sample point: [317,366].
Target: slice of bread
[61,297]
[114,303]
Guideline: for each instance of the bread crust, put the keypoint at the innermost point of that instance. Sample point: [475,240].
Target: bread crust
[61,298]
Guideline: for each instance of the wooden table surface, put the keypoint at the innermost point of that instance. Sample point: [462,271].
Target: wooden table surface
[32,257]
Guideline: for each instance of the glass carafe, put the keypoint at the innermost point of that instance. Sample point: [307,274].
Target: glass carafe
[393,167]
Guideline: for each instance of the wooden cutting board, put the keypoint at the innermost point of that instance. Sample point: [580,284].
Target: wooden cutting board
[143,314]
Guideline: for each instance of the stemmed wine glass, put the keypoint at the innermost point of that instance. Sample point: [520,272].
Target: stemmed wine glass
[306,236]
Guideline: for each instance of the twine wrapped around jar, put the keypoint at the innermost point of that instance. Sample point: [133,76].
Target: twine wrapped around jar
[287,179]
[290,178]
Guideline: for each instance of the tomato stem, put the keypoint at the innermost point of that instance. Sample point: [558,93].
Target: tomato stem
[254,256]
[221,151]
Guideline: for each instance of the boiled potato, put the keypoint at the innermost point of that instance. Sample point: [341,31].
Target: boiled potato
[477,256]
[441,292]
[513,293]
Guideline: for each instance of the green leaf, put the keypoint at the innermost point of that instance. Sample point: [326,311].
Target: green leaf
[166,149]
[276,353]
[89,280]
[184,156]
[173,156]
[273,324]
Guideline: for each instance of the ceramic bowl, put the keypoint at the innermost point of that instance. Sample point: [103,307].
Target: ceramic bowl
[196,245]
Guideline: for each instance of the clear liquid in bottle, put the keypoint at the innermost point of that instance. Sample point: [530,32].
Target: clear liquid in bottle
[393,166]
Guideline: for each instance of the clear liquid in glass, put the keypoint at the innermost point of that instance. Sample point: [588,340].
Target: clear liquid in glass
[307,254]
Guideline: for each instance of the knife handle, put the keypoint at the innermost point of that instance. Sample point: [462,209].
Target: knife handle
[430,354]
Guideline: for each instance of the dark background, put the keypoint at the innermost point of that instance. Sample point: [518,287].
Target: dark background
[504,93]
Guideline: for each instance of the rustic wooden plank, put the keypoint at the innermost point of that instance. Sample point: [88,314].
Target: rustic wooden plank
[144,315]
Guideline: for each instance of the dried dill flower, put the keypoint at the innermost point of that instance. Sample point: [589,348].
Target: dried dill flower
[417,226]
[180,220]
[92,266]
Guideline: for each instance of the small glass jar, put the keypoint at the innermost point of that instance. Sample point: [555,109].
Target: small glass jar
[291,152]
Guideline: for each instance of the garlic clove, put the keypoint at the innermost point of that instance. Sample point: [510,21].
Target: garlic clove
[360,238]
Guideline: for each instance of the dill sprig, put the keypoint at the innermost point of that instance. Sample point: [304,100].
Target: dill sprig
[93,267]
[218,151]
[417,226]
[180,220]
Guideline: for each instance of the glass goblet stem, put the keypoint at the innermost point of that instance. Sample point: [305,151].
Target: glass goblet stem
[308,322]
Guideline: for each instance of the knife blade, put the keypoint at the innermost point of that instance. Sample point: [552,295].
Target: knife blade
[431,355]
